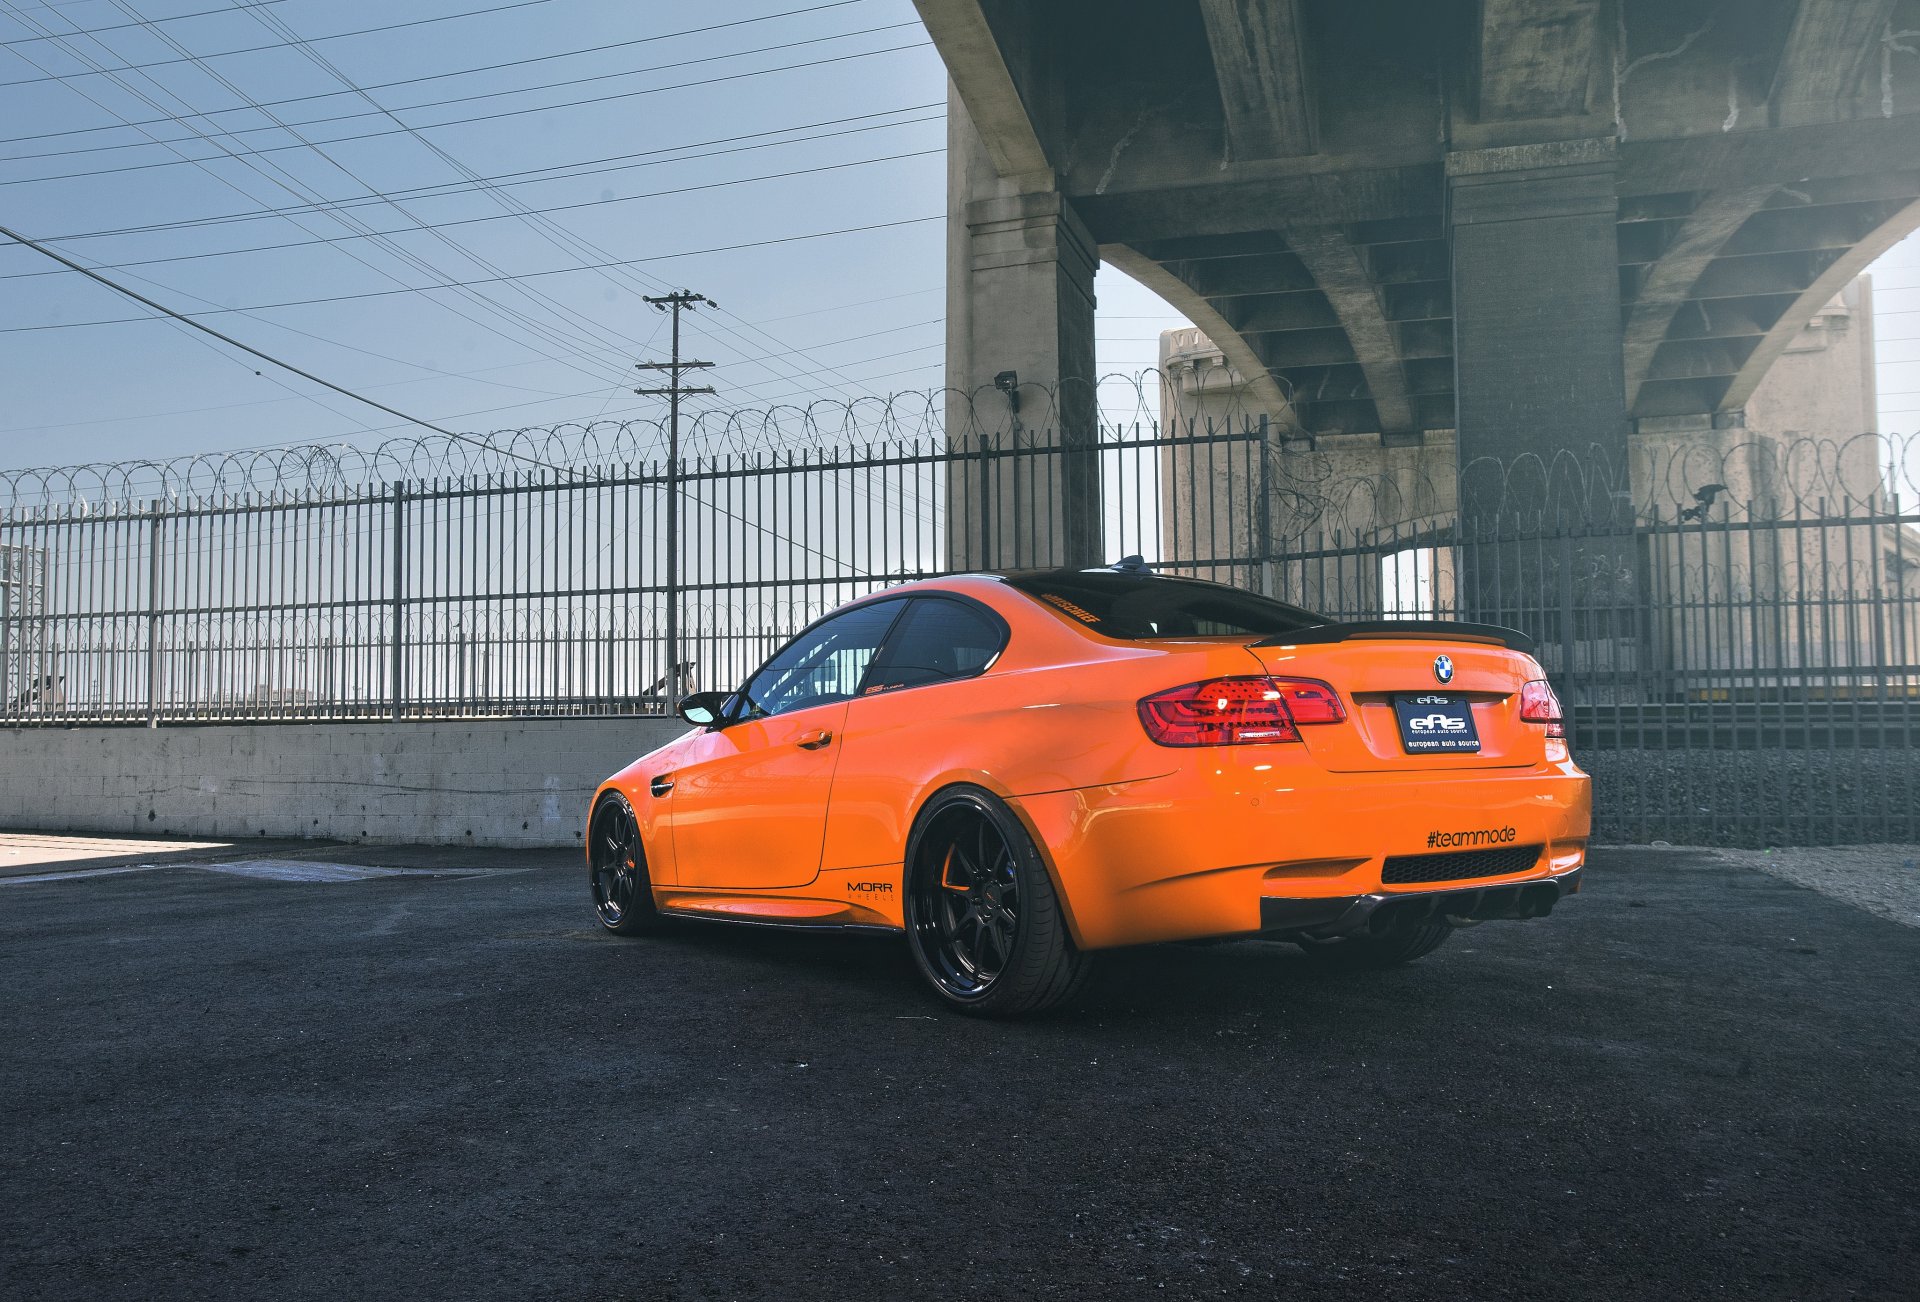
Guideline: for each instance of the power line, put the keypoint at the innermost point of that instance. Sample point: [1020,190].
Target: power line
[561,237]
[316,399]
[589,332]
[865,302]
[306,48]
[143,22]
[249,349]
[433,372]
[504,216]
[885,375]
[432,126]
[788,378]
[419,22]
[172,18]
[616,266]
[439,189]
[294,40]
[574,331]
[871,334]
[494,280]
[419,263]
[622,268]
[274,402]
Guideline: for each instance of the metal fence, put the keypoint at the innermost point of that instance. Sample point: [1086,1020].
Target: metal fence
[1735,626]
[518,592]
[1732,620]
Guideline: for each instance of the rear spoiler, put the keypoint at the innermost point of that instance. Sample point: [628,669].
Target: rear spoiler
[1423,630]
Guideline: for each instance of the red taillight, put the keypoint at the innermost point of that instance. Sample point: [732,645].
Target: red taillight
[1238,711]
[1311,701]
[1538,704]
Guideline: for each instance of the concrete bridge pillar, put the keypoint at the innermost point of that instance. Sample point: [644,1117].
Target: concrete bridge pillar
[1536,310]
[1540,386]
[1020,270]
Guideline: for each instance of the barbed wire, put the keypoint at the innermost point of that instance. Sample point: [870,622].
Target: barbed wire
[1360,493]
[1314,483]
[826,425]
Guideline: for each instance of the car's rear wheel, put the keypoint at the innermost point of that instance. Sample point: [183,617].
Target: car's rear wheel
[617,869]
[983,919]
[1389,949]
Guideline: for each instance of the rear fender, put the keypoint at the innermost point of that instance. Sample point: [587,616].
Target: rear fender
[984,783]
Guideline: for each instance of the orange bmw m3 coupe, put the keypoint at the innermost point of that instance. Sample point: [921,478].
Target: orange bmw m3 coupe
[1016,770]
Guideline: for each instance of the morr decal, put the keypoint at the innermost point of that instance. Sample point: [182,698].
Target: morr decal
[871,888]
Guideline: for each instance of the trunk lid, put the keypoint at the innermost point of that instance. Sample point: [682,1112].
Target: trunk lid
[1371,666]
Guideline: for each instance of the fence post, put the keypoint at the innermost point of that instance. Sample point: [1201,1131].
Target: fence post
[1567,639]
[399,638]
[1262,513]
[155,525]
[1647,670]
[6,624]
[983,557]
[670,689]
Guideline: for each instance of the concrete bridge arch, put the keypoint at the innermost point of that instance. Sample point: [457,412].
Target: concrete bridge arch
[1526,225]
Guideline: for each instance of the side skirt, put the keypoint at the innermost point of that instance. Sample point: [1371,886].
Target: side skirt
[785,914]
[836,928]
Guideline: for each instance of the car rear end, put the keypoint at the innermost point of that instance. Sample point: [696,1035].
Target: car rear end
[1322,781]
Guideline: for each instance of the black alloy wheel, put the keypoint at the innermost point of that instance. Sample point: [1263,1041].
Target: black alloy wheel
[622,896]
[971,906]
[982,918]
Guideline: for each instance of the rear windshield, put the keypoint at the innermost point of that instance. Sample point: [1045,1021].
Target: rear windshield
[1150,606]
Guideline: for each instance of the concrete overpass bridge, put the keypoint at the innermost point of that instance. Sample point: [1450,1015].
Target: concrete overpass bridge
[1536,223]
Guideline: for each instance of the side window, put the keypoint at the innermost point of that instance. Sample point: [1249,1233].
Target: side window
[937,640]
[823,664]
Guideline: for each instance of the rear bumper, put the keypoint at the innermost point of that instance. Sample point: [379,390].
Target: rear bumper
[1225,847]
[1357,915]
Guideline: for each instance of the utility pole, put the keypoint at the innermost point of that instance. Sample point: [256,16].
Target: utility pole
[674,303]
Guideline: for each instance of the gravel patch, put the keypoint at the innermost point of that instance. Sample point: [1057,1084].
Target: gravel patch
[1882,879]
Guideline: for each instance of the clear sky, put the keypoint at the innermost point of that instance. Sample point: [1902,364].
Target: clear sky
[637,134]
[635,144]
[1896,304]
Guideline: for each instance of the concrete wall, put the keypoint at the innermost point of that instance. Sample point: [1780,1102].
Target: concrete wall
[473,782]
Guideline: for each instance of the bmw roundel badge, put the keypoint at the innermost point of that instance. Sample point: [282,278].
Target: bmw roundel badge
[1443,668]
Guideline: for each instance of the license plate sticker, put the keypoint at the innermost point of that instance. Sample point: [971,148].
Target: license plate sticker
[1436,723]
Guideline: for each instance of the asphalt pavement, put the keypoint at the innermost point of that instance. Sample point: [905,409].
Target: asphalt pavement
[1694,1080]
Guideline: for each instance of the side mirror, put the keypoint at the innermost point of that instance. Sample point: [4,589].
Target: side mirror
[703,709]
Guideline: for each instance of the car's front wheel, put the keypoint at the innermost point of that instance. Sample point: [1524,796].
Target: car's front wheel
[983,919]
[617,869]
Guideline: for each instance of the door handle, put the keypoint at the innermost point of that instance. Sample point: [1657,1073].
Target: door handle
[814,740]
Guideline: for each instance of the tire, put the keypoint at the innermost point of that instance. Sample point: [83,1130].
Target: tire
[1394,948]
[983,919]
[617,869]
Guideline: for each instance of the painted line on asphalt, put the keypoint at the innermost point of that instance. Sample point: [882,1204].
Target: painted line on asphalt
[274,870]
[87,872]
[299,870]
